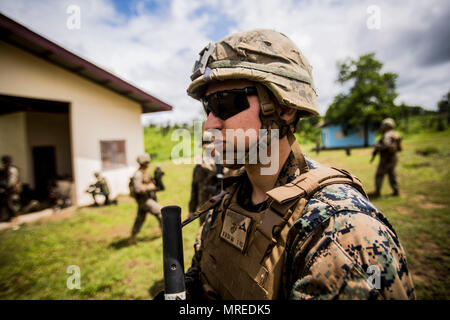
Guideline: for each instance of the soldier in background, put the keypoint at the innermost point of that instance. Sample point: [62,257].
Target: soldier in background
[387,147]
[318,145]
[99,187]
[157,176]
[143,188]
[60,193]
[206,180]
[10,189]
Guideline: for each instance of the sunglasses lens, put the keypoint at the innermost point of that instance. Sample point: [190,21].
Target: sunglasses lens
[225,104]
[206,106]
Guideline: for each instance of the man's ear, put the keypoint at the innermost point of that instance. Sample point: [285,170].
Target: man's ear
[287,114]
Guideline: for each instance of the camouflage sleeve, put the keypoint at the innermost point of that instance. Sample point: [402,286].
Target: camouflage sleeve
[351,256]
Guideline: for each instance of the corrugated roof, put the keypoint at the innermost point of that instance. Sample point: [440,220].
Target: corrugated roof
[20,36]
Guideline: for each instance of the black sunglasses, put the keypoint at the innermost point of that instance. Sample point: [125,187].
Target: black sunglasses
[227,103]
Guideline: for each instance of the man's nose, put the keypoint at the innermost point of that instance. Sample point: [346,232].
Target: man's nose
[213,122]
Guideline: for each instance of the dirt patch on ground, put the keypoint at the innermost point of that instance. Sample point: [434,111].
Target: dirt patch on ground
[106,234]
[125,198]
[425,258]
[119,232]
[420,278]
[403,210]
[364,152]
[432,205]
[135,263]
[39,217]
[60,215]
[423,203]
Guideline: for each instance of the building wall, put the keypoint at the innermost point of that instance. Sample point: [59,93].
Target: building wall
[333,137]
[49,129]
[96,114]
[13,141]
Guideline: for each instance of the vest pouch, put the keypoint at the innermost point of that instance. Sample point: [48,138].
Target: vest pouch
[237,278]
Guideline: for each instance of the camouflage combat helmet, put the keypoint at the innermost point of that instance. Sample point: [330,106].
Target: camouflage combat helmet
[388,123]
[274,63]
[143,159]
[263,56]
[7,159]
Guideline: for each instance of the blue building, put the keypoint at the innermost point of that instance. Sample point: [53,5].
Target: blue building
[333,137]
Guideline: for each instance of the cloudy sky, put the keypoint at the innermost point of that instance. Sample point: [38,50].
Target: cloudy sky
[154,43]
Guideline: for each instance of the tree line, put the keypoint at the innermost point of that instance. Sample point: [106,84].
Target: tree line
[370,99]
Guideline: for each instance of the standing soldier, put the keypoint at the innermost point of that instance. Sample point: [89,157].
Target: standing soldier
[206,179]
[317,145]
[142,188]
[99,187]
[10,189]
[305,232]
[387,147]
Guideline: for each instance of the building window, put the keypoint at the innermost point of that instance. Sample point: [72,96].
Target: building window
[113,154]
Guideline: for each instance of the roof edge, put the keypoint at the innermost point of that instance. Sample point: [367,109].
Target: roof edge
[145,99]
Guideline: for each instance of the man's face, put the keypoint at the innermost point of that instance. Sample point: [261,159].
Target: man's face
[245,120]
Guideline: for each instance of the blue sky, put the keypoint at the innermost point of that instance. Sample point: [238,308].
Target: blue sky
[153,44]
[132,8]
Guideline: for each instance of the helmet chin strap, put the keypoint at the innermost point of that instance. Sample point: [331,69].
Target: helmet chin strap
[271,120]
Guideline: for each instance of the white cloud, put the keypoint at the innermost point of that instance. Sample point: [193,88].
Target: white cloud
[155,50]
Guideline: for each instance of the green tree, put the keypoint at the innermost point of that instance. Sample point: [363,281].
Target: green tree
[308,129]
[370,98]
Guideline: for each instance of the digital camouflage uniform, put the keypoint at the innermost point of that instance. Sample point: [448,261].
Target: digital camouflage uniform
[317,236]
[145,199]
[99,187]
[387,147]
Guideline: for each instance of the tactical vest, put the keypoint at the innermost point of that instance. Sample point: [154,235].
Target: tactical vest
[146,179]
[243,253]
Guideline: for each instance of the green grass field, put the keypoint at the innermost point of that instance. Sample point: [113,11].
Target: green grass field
[34,259]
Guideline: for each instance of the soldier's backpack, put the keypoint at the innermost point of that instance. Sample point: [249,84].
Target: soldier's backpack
[131,187]
[399,144]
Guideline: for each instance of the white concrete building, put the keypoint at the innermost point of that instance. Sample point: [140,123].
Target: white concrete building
[63,116]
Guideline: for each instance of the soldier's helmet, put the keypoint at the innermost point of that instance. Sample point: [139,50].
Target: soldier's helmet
[7,159]
[388,123]
[143,159]
[263,56]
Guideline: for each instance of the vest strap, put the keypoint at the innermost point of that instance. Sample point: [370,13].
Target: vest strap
[297,151]
[285,197]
